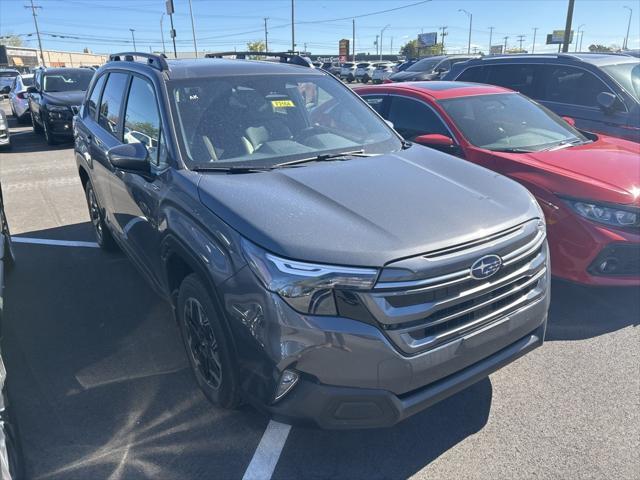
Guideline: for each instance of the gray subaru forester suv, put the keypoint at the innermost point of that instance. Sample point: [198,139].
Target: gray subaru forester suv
[320,267]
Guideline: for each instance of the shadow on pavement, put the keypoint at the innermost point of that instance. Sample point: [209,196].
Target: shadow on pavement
[397,452]
[99,379]
[579,312]
[23,138]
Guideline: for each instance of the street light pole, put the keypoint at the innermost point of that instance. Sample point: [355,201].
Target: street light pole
[134,39]
[626,38]
[567,27]
[470,15]
[266,35]
[578,36]
[164,50]
[581,37]
[381,32]
[533,47]
[193,30]
[293,27]
[490,38]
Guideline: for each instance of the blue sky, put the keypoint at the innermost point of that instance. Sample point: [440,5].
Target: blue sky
[103,25]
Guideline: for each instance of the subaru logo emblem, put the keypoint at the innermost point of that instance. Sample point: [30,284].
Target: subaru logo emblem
[485,267]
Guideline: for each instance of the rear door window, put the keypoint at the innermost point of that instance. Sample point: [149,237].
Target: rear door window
[412,118]
[518,77]
[473,74]
[376,102]
[571,85]
[94,99]
[111,104]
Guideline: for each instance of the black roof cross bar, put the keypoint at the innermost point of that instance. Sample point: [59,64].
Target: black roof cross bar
[156,61]
[285,57]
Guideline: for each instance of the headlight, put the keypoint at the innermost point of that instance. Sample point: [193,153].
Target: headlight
[58,111]
[614,215]
[306,287]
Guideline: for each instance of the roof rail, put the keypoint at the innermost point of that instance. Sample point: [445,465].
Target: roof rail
[156,61]
[285,57]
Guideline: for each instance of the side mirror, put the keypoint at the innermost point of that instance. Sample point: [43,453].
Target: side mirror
[435,140]
[32,89]
[570,121]
[129,156]
[606,100]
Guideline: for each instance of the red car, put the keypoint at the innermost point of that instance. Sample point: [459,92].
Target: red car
[587,184]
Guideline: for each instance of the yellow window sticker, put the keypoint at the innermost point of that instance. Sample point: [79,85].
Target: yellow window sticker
[282,104]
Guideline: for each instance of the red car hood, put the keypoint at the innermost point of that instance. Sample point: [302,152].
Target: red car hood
[611,164]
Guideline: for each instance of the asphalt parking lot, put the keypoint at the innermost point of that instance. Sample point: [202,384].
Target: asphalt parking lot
[101,386]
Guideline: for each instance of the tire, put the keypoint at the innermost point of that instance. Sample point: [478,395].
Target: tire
[36,127]
[103,234]
[49,138]
[207,344]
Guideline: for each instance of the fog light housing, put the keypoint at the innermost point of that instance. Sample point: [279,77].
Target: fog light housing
[288,379]
[608,265]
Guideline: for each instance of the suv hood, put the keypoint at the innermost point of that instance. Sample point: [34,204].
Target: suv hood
[368,211]
[70,99]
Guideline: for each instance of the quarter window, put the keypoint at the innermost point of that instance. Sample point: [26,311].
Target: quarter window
[92,104]
[142,120]
[376,102]
[110,106]
[412,118]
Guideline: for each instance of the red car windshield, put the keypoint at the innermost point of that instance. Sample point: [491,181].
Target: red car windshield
[510,122]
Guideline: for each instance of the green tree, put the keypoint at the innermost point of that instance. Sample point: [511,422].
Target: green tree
[410,49]
[11,41]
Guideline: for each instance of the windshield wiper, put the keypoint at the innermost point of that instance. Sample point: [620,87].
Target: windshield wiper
[324,157]
[512,150]
[564,144]
[235,169]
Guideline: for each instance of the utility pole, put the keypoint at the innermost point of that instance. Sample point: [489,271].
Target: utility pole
[266,35]
[35,21]
[164,50]
[521,39]
[381,33]
[442,35]
[170,11]
[391,48]
[505,44]
[193,30]
[533,47]
[470,15]
[134,39]
[353,40]
[578,36]
[567,27]
[490,38]
[625,45]
[293,27]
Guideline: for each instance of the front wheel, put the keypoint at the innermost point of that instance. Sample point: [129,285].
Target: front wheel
[49,138]
[207,344]
[103,234]
[36,127]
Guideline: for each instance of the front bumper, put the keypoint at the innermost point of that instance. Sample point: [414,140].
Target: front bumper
[332,407]
[578,246]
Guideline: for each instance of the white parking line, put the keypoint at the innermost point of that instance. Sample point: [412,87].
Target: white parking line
[266,457]
[58,243]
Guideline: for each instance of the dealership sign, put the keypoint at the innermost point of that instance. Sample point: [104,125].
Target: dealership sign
[496,49]
[557,37]
[343,50]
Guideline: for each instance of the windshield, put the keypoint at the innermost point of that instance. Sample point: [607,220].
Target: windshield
[627,75]
[67,81]
[259,121]
[425,65]
[27,81]
[504,122]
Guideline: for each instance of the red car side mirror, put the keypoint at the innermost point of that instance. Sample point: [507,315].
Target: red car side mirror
[570,121]
[434,140]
